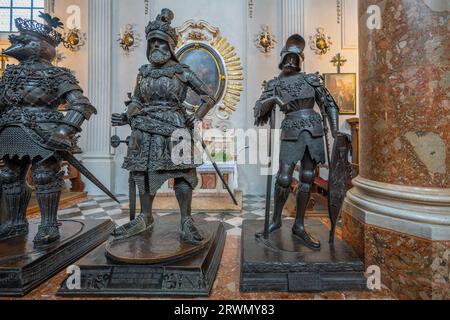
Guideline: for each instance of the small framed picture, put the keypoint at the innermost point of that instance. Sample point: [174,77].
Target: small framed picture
[342,87]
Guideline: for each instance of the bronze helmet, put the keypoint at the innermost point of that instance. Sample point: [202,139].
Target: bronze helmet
[161,29]
[295,44]
[35,39]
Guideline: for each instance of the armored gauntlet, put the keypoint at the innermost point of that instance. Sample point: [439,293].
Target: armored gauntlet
[79,110]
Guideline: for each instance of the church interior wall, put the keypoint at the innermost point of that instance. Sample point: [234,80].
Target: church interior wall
[239,26]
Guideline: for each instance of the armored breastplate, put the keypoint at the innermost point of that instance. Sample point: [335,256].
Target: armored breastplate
[28,85]
[163,86]
[299,97]
[296,93]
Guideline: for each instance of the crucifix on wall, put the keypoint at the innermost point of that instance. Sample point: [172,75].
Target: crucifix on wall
[339,61]
[342,86]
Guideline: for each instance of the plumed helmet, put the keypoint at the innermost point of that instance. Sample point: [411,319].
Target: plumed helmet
[35,39]
[295,44]
[161,29]
[46,32]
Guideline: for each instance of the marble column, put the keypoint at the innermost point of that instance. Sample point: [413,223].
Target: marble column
[97,153]
[398,214]
[292,12]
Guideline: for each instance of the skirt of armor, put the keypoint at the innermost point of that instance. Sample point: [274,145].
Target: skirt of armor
[294,151]
[152,153]
[15,142]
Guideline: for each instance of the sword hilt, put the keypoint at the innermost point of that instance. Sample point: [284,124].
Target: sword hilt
[116,141]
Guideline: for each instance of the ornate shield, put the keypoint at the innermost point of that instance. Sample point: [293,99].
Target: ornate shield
[339,179]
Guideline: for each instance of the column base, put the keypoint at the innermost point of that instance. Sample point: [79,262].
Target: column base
[405,231]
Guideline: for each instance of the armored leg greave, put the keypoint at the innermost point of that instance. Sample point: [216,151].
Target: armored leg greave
[282,190]
[280,197]
[189,232]
[303,196]
[141,180]
[183,192]
[49,182]
[16,196]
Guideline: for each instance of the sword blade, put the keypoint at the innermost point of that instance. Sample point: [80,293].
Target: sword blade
[219,173]
[269,177]
[205,148]
[85,172]
[132,195]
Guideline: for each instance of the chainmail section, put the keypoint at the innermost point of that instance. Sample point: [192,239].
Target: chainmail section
[157,179]
[15,142]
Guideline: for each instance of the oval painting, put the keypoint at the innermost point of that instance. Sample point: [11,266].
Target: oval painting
[206,66]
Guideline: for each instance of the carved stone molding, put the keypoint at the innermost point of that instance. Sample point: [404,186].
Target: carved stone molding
[193,30]
[349,19]
[97,156]
[422,212]
[293,20]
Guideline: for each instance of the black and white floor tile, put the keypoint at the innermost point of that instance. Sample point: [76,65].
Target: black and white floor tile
[103,207]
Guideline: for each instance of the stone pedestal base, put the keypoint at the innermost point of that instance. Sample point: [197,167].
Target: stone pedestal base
[286,265]
[190,277]
[405,232]
[23,268]
[167,202]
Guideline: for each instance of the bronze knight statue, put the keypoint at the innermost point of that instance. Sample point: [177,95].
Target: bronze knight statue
[154,112]
[303,131]
[33,133]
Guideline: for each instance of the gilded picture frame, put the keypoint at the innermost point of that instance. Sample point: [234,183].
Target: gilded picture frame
[208,65]
[342,87]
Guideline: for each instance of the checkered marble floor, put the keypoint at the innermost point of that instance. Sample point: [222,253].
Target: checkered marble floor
[103,208]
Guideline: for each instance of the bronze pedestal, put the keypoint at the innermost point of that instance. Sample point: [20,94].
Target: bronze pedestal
[23,268]
[283,264]
[154,263]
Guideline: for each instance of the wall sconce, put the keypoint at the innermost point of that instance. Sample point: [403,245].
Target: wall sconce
[3,60]
[74,39]
[129,39]
[320,43]
[265,41]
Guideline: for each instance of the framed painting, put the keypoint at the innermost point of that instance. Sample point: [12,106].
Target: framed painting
[207,65]
[342,87]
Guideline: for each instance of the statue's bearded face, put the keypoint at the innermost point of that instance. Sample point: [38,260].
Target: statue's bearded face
[291,63]
[159,52]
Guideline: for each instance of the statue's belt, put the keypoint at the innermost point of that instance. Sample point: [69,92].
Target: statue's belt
[23,117]
[295,123]
[154,125]
[160,107]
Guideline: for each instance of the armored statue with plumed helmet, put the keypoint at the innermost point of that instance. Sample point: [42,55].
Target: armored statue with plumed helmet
[154,112]
[33,132]
[302,131]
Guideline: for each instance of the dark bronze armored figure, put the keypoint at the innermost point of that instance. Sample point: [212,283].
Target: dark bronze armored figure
[303,131]
[154,112]
[33,133]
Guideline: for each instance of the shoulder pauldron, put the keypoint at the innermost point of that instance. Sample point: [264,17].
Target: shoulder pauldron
[314,79]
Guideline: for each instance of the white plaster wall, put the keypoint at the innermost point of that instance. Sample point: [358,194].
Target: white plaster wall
[323,13]
[260,67]
[124,75]
[78,61]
